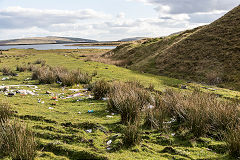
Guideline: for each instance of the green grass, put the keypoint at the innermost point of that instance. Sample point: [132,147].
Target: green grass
[61,131]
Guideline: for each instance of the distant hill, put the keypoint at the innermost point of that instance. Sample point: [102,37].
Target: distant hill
[45,40]
[131,39]
[209,54]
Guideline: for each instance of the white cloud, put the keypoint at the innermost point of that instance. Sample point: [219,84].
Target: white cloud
[17,17]
[171,16]
[191,6]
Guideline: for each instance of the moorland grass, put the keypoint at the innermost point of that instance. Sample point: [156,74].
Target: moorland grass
[5,111]
[17,141]
[50,75]
[61,127]
[101,89]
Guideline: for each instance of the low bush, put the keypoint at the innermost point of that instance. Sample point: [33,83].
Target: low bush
[17,141]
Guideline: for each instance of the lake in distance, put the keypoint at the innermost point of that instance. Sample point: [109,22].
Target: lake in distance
[54,46]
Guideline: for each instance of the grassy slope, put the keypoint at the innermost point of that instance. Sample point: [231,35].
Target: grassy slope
[61,131]
[204,54]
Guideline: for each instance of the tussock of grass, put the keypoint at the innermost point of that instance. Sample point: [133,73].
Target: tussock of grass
[101,89]
[202,113]
[5,112]
[40,61]
[7,71]
[129,99]
[156,116]
[50,75]
[131,135]
[232,137]
[17,141]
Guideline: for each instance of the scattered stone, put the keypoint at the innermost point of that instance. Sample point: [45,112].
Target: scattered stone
[109,116]
[79,113]
[50,108]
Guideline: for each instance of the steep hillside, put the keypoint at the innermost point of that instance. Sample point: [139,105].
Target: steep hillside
[209,54]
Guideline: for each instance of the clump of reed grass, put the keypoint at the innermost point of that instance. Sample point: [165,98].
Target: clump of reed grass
[22,68]
[101,89]
[40,61]
[131,135]
[129,100]
[202,113]
[8,72]
[81,77]
[45,75]
[49,75]
[156,114]
[5,112]
[17,141]
[232,138]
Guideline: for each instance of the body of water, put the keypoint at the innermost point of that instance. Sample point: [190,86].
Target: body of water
[54,46]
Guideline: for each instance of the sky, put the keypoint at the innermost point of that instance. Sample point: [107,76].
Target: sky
[106,19]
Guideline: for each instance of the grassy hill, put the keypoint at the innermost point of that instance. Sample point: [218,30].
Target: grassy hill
[44,40]
[209,54]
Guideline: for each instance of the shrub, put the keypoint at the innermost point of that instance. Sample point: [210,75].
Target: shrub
[128,100]
[101,89]
[232,138]
[131,135]
[17,141]
[5,112]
